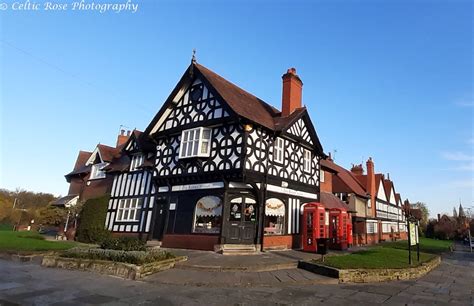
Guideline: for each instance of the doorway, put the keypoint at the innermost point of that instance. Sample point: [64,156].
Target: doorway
[242,220]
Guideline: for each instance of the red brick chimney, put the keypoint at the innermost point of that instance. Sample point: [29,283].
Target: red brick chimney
[122,138]
[357,169]
[292,92]
[371,183]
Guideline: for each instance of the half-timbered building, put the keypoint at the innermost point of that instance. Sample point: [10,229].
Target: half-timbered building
[130,209]
[231,171]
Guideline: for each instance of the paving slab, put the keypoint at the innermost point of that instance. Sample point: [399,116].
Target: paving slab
[453,286]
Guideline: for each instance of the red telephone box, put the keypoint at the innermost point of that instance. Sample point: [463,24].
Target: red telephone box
[313,225]
[338,228]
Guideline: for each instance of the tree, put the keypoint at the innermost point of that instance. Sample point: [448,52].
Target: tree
[52,215]
[424,214]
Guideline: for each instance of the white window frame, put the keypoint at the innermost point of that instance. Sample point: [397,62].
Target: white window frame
[321,176]
[96,171]
[373,228]
[137,161]
[307,160]
[129,210]
[198,146]
[279,150]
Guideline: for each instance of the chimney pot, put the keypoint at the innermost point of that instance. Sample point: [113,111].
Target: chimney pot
[122,132]
[128,133]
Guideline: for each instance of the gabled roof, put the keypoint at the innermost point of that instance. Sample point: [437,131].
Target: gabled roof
[109,153]
[240,102]
[344,181]
[80,165]
[388,185]
[142,140]
[398,198]
[82,157]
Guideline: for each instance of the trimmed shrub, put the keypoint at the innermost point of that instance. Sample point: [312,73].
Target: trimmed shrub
[123,244]
[91,227]
[132,257]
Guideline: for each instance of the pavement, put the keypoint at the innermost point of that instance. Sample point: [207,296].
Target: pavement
[452,283]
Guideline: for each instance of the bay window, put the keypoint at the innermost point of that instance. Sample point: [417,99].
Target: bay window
[195,143]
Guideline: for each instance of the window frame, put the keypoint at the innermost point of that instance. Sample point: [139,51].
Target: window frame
[307,155]
[198,229]
[137,161]
[199,141]
[279,147]
[97,173]
[129,205]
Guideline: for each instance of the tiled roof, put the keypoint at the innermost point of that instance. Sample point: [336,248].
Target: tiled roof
[331,201]
[388,186]
[82,157]
[109,153]
[243,103]
[344,180]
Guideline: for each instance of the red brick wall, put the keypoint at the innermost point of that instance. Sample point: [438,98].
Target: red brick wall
[327,184]
[372,238]
[270,242]
[195,242]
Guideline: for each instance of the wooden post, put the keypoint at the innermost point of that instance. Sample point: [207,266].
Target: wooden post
[409,243]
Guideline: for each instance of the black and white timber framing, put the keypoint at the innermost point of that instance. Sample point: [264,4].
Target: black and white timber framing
[239,168]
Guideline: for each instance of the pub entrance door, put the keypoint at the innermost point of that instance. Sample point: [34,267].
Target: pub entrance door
[242,220]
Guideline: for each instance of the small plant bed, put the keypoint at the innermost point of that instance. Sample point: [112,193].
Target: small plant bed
[126,264]
[132,257]
[376,258]
[30,242]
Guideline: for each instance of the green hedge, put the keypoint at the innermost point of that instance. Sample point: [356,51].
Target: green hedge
[133,257]
[123,244]
[91,227]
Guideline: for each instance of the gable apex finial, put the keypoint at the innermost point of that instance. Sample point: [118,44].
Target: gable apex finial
[193,59]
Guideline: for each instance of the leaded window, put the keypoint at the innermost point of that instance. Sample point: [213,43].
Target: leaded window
[195,143]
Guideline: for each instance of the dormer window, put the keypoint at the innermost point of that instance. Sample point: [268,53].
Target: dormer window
[278,150]
[97,172]
[195,143]
[137,161]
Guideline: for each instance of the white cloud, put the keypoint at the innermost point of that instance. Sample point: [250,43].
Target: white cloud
[457,156]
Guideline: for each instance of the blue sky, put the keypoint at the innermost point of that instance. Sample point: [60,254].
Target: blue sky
[388,79]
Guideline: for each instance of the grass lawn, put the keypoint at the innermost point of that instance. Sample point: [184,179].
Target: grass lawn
[427,245]
[30,242]
[390,255]
[376,258]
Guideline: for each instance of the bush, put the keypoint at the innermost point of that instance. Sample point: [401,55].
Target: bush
[123,244]
[91,227]
[133,257]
